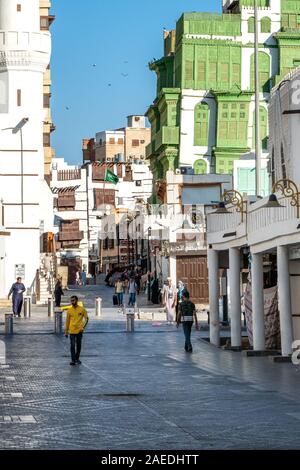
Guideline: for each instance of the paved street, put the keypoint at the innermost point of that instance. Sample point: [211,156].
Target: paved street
[140,391]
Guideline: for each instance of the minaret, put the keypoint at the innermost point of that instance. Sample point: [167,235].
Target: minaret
[24,56]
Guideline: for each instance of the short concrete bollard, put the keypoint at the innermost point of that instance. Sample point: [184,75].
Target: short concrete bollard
[9,324]
[27,307]
[50,307]
[130,322]
[98,307]
[58,323]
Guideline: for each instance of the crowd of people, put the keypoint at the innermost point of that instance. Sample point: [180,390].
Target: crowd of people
[128,283]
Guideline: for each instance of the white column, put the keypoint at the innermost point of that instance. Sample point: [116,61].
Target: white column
[284,300]
[213,271]
[235,297]
[258,303]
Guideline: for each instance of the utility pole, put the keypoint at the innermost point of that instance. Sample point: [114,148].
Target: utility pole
[257,113]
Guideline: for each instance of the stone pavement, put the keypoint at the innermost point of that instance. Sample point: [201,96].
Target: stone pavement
[140,390]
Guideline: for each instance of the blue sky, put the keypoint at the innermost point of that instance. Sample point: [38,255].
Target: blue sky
[120,37]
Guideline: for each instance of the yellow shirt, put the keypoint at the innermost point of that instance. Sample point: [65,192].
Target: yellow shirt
[75,320]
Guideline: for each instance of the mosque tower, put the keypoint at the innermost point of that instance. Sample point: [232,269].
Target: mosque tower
[24,56]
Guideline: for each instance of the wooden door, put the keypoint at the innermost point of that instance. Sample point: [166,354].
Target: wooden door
[193,271]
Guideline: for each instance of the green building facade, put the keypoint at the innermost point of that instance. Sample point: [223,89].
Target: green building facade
[203,114]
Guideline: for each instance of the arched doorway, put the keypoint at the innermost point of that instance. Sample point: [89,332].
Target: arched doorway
[264,72]
[201,124]
[200,167]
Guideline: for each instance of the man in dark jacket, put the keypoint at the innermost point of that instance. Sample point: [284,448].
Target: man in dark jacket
[187,315]
[58,292]
[17,290]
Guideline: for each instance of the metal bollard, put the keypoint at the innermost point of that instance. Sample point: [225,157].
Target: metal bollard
[9,324]
[50,307]
[130,322]
[27,307]
[58,324]
[98,307]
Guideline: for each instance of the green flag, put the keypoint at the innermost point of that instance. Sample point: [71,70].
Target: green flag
[110,177]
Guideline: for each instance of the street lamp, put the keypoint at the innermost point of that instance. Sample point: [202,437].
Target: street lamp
[289,189]
[15,130]
[235,198]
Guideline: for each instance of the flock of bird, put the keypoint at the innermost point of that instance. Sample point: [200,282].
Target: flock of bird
[124,75]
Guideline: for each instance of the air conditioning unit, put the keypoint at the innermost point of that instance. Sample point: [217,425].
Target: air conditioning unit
[187,170]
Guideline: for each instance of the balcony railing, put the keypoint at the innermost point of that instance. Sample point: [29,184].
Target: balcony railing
[70,236]
[68,175]
[266,223]
[223,222]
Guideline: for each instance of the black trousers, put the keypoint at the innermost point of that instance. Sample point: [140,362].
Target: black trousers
[57,300]
[187,329]
[76,341]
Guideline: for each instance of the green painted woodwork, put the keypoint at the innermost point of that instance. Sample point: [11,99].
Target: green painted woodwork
[250,3]
[208,23]
[225,157]
[201,124]
[167,136]
[246,181]
[264,131]
[265,25]
[251,25]
[232,124]
[289,53]
[211,65]
[290,6]
[264,72]
[200,167]
[290,15]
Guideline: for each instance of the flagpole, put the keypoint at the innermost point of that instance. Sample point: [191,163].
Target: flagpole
[257,104]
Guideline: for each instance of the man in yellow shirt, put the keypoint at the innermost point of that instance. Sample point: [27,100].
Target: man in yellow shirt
[77,319]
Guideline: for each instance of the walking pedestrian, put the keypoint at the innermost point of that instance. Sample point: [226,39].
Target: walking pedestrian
[187,315]
[58,292]
[83,278]
[17,290]
[119,286]
[181,290]
[132,288]
[170,300]
[78,278]
[77,319]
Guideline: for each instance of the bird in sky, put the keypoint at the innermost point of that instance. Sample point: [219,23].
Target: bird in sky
[109,84]
[67,108]
[125,61]
[94,65]
[124,74]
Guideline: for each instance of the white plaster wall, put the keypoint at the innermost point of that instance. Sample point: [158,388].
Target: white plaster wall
[26,20]
[189,153]
[295,294]
[251,128]
[273,13]
[2,265]
[294,123]
[172,269]
[22,247]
